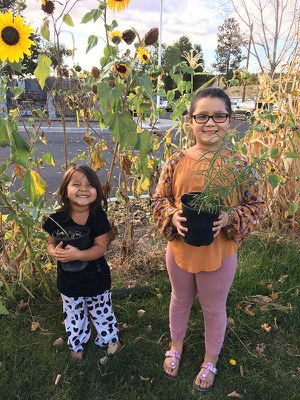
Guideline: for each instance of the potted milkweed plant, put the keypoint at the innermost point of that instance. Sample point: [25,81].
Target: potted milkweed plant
[77,236]
[224,180]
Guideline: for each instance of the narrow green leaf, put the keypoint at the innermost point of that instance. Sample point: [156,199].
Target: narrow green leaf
[45,32]
[68,20]
[88,16]
[291,154]
[42,71]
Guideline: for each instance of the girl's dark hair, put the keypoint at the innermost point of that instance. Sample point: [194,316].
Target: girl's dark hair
[210,92]
[99,203]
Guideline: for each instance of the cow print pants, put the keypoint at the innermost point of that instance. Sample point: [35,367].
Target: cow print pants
[76,317]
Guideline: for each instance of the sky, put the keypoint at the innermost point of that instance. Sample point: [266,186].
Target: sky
[198,20]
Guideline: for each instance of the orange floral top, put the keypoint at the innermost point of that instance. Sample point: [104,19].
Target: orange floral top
[179,176]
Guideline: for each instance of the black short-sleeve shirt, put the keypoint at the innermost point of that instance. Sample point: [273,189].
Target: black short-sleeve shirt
[95,278]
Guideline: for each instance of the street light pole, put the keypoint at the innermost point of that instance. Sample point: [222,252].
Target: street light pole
[159,49]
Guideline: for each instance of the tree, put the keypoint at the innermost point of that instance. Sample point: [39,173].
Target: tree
[274,27]
[174,54]
[229,50]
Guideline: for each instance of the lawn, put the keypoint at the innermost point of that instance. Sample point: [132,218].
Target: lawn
[262,337]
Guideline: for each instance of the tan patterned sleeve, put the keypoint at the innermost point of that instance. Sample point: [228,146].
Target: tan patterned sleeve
[162,202]
[246,216]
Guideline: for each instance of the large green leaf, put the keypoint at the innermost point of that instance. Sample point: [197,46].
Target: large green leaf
[68,20]
[3,309]
[34,185]
[42,71]
[4,140]
[145,81]
[93,14]
[122,127]
[103,91]
[92,42]
[45,32]
[19,148]
[143,145]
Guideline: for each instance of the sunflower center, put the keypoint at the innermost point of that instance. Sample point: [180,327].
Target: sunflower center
[145,57]
[10,35]
[122,69]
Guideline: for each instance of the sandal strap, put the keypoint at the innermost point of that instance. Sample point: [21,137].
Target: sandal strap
[173,354]
[210,367]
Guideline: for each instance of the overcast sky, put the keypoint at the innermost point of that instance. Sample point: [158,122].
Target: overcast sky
[199,20]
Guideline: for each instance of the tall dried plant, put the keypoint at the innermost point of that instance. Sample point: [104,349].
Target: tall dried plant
[277,131]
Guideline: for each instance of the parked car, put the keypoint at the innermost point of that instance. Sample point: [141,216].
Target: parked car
[246,109]
[164,105]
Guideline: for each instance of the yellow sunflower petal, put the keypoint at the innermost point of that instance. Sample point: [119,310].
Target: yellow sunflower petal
[14,38]
[117,5]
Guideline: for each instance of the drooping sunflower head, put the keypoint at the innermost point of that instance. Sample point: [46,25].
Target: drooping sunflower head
[115,37]
[121,69]
[128,36]
[14,38]
[95,72]
[117,5]
[156,73]
[237,74]
[48,6]
[143,54]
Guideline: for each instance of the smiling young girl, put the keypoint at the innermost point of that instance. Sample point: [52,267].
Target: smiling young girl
[206,271]
[87,291]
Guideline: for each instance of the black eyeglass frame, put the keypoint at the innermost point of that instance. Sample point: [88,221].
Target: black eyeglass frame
[226,116]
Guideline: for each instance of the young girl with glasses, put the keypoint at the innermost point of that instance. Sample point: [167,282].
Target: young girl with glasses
[84,292]
[206,271]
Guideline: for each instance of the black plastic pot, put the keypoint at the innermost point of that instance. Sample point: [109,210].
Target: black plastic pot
[82,242]
[199,224]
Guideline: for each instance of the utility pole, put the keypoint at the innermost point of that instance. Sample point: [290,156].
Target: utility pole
[159,50]
[247,60]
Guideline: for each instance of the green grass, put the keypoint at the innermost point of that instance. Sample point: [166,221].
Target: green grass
[30,364]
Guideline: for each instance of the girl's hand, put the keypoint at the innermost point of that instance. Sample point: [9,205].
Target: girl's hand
[68,254]
[220,223]
[177,219]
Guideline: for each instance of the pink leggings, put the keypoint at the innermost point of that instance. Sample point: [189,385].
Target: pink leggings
[212,289]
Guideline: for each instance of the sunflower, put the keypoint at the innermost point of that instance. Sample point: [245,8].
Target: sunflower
[237,74]
[14,38]
[48,6]
[121,69]
[117,5]
[143,54]
[115,37]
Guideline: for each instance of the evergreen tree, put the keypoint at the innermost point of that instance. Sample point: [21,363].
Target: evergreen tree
[229,50]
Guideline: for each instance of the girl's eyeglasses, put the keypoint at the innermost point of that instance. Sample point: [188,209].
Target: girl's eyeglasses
[217,118]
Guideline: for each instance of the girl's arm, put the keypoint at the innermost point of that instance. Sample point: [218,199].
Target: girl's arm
[71,253]
[163,207]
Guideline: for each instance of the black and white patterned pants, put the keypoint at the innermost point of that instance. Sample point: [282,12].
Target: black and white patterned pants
[76,317]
